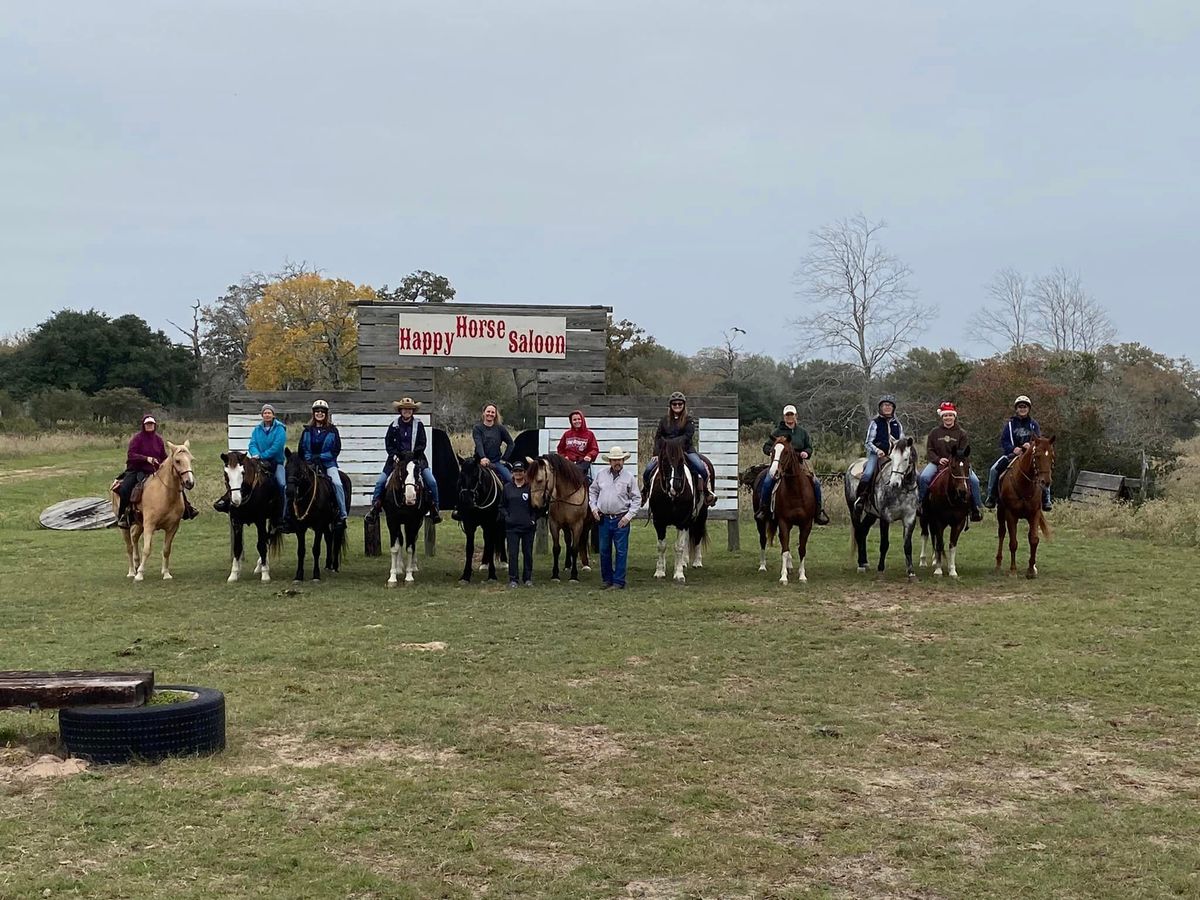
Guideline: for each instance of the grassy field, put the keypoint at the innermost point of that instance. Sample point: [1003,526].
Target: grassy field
[851,737]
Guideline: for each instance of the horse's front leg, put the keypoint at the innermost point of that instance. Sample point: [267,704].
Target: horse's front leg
[573,554]
[409,574]
[784,533]
[489,549]
[395,549]
[955,531]
[660,570]
[938,537]
[698,556]
[861,530]
[469,530]
[147,540]
[236,548]
[168,540]
[1031,572]
[130,551]
[316,552]
[884,542]
[762,546]
[681,546]
[910,525]
[1000,527]
[926,538]
[555,537]
[264,565]
[301,551]
[1012,546]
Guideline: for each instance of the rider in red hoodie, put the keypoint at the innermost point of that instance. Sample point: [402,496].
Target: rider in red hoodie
[578,444]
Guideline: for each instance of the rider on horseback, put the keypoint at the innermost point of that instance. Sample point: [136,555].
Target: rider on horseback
[578,444]
[940,446]
[1015,438]
[885,429]
[677,426]
[267,443]
[145,454]
[320,444]
[800,441]
[407,435]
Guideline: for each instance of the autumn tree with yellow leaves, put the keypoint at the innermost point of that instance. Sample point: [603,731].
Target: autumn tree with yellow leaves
[304,334]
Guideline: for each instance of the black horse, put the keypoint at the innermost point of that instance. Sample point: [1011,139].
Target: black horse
[313,505]
[406,500]
[478,506]
[676,499]
[252,498]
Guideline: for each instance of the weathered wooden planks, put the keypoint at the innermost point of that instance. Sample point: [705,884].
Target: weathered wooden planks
[79,514]
[64,689]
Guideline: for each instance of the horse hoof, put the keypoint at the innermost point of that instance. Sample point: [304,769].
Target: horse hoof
[954,575]
[937,573]
[697,565]
[660,574]
[1031,575]
[232,578]
[783,580]
[802,579]
[266,578]
[912,576]
[862,570]
[464,581]
[408,579]
[139,577]
[167,576]
[587,568]
[391,583]
[762,568]
[555,579]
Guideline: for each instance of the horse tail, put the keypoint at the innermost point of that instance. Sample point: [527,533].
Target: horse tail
[274,543]
[343,542]
[772,527]
[1043,525]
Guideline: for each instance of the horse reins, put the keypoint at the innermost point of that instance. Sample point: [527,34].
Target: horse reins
[311,500]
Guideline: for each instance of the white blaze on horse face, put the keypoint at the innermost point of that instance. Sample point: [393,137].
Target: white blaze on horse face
[235,476]
[410,484]
[899,458]
[775,457]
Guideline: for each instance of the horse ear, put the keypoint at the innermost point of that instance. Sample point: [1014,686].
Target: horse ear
[529,460]
[187,445]
[225,458]
[1052,438]
[287,452]
[967,453]
[171,448]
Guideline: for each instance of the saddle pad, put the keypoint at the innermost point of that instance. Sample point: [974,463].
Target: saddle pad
[857,467]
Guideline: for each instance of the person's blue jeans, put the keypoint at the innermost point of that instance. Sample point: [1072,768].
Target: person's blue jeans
[769,483]
[613,537]
[280,473]
[503,471]
[586,469]
[871,466]
[925,479]
[427,477]
[338,491]
[695,463]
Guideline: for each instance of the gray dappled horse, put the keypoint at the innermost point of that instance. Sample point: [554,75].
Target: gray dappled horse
[893,499]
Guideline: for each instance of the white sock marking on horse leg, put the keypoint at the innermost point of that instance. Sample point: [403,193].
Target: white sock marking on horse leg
[660,570]
[762,559]
[785,561]
[412,564]
[681,550]
[698,557]
[233,570]
[921,561]
[391,582]
[953,570]
[802,577]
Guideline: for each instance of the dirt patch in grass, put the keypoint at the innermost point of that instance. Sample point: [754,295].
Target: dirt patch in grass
[39,472]
[295,751]
[424,648]
[17,764]
[549,858]
[576,745]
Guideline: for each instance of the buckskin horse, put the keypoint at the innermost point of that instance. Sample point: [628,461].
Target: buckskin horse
[253,500]
[947,505]
[795,506]
[1020,497]
[310,493]
[893,499]
[676,499]
[558,487]
[405,503]
[478,506]
[158,508]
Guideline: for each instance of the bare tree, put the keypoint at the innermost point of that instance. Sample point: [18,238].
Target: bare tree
[863,309]
[722,361]
[1005,324]
[1067,319]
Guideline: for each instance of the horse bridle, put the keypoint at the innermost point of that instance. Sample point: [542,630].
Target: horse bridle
[1036,477]
[548,492]
[316,484]
[418,482]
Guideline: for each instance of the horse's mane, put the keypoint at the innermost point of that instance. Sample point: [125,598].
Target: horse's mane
[565,471]
[672,453]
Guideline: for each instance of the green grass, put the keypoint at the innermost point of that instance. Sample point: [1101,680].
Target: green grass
[851,737]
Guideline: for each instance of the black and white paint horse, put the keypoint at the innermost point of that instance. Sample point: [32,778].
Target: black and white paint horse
[406,500]
[676,500]
[893,499]
[253,500]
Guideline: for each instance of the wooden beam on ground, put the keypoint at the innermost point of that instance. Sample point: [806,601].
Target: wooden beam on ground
[59,690]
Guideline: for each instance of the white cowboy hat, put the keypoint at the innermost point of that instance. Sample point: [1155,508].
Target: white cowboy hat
[615,454]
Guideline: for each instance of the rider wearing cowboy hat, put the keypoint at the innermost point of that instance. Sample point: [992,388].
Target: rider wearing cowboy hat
[885,429]
[940,446]
[796,434]
[320,444]
[1015,438]
[407,435]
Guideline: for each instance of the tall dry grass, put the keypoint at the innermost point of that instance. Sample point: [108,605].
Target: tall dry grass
[64,442]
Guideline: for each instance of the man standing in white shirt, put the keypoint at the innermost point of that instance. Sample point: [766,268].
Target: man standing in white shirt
[614,498]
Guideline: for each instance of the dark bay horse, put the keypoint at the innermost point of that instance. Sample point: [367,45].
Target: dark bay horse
[947,505]
[253,500]
[1021,498]
[676,499]
[558,487]
[478,506]
[310,494]
[406,500]
[893,499]
[795,506]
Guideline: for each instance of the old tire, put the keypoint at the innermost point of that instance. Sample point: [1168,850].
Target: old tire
[106,734]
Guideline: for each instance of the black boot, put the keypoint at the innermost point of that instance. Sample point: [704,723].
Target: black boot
[221,504]
[976,515]
[434,516]
[760,515]
[990,501]
[123,519]
[189,511]
[822,517]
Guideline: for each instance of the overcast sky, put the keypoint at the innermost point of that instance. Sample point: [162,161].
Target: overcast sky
[666,158]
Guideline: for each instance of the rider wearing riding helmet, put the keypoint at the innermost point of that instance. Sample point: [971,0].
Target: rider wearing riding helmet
[885,429]
[1015,438]
[940,446]
[578,444]
[407,435]
[796,434]
[677,426]
[320,444]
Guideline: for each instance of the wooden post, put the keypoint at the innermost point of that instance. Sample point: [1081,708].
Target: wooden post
[735,538]
[430,538]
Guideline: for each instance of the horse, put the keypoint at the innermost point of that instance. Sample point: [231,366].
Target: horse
[479,507]
[558,486]
[253,500]
[676,499]
[405,503]
[1020,497]
[159,508]
[795,505]
[893,499]
[947,505]
[310,493]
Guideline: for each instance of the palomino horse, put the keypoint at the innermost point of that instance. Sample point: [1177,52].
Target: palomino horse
[160,508]
[479,507]
[676,499]
[310,493]
[893,499]
[1021,498]
[253,500]
[947,505]
[557,485]
[795,505]
[405,503]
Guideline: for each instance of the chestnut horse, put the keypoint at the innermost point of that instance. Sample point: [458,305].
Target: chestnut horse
[1020,497]
[160,508]
[795,505]
[947,505]
[558,487]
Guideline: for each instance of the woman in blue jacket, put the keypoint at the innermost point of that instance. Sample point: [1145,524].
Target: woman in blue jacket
[267,442]
[320,445]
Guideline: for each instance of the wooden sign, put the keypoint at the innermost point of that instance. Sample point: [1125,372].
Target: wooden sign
[498,336]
